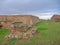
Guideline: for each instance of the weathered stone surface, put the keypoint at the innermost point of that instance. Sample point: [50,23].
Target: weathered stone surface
[56,18]
[22,34]
[20,26]
[25,19]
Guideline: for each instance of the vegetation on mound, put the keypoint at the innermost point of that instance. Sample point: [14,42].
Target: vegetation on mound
[3,32]
[49,34]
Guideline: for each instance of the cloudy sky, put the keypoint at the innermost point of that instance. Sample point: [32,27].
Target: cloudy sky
[42,8]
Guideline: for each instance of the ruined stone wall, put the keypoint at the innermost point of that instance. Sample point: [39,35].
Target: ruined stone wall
[56,18]
[26,19]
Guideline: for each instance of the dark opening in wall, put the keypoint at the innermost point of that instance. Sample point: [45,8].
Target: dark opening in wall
[1,26]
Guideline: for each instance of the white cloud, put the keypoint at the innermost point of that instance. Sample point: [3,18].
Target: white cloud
[45,17]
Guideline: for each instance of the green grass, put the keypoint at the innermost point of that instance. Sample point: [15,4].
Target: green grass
[3,32]
[49,34]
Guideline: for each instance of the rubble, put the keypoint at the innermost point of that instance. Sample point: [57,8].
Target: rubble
[19,26]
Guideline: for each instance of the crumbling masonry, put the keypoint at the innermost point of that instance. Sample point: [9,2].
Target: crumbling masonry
[20,26]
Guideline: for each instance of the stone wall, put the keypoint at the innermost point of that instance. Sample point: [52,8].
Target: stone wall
[20,26]
[55,18]
[26,19]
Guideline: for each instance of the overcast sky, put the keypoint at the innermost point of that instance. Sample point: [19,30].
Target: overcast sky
[40,8]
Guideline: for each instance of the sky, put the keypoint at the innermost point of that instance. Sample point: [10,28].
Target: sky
[44,9]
